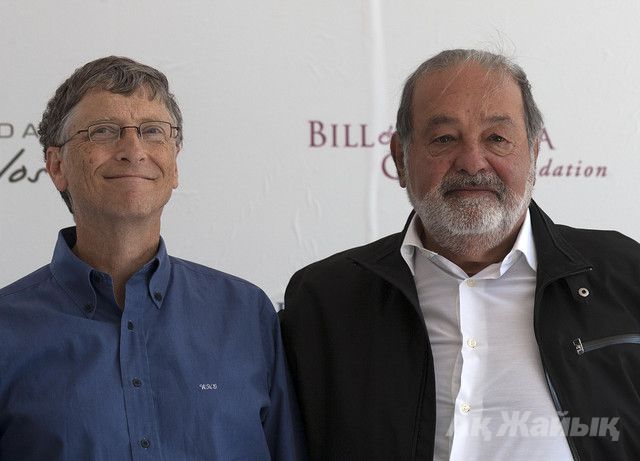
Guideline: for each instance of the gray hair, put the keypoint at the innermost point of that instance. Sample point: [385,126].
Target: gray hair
[448,58]
[113,73]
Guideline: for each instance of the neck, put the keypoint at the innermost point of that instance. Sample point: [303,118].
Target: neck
[119,250]
[472,253]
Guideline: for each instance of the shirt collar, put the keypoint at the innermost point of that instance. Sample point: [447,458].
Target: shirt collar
[74,275]
[411,243]
[524,245]
[159,281]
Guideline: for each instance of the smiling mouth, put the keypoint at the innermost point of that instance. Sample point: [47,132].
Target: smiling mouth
[469,191]
[130,176]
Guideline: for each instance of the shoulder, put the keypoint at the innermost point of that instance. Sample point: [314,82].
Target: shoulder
[217,284]
[26,284]
[201,271]
[343,279]
[605,249]
[607,243]
[344,262]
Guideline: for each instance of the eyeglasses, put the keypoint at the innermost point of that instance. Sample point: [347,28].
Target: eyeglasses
[109,133]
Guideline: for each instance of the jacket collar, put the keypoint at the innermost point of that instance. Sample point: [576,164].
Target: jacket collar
[384,259]
[556,257]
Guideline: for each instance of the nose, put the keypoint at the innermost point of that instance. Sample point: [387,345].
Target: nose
[130,146]
[471,158]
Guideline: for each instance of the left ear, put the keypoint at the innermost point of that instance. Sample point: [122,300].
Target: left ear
[397,152]
[175,170]
[55,168]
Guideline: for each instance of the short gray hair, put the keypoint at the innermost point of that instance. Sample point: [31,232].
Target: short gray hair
[113,73]
[491,61]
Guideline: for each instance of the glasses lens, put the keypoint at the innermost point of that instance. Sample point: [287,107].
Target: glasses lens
[155,131]
[103,132]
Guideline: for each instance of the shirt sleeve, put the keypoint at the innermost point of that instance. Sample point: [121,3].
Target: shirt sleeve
[282,423]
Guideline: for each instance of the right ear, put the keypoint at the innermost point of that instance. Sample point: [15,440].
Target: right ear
[56,168]
[398,158]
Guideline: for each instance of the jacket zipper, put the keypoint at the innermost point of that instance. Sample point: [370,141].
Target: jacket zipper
[587,346]
[556,403]
[552,390]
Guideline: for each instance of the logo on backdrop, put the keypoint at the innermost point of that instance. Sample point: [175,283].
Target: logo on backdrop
[331,135]
[16,163]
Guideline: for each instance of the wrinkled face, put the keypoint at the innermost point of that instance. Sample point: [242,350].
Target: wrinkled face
[127,179]
[468,170]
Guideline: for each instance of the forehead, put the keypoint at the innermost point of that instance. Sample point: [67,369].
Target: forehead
[467,90]
[100,104]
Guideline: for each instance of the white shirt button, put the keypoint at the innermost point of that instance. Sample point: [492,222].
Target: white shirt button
[471,283]
[465,408]
[472,343]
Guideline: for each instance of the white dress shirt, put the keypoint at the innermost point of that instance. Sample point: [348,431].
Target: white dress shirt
[492,399]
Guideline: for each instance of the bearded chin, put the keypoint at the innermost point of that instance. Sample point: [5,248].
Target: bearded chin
[471,225]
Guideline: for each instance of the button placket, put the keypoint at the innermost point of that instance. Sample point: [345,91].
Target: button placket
[134,372]
[471,323]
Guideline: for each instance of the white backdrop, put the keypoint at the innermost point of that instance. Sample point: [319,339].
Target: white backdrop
[262,193]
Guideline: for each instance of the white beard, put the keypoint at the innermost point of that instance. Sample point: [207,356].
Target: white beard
[471,225]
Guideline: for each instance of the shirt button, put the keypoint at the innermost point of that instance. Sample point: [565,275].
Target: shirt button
[144,443]
[465,408]
[471,283]
[472,343]
[157,296]
[137,382]
[130,325]
[88,308]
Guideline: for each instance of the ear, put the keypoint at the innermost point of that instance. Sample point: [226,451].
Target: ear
[175,166]
[398,158]
[55,168]
[536,148]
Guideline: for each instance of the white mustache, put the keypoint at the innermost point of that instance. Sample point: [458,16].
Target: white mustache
[481,180]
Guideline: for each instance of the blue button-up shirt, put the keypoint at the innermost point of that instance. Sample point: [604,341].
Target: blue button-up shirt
[191,369]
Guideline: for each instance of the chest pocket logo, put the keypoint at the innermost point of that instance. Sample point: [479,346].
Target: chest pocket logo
[208,387]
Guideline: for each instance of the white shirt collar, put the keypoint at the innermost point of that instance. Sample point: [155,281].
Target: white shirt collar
[524,245]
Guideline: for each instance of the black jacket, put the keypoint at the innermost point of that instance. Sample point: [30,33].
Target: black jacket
[361,362]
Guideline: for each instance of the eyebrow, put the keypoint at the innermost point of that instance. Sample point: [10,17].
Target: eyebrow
[100,120]
[442,119]
[500,119]
[119,121]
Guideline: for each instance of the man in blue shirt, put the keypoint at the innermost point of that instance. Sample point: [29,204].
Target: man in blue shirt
[117,350]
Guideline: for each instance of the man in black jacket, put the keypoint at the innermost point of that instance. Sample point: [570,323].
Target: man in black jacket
[483,330]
